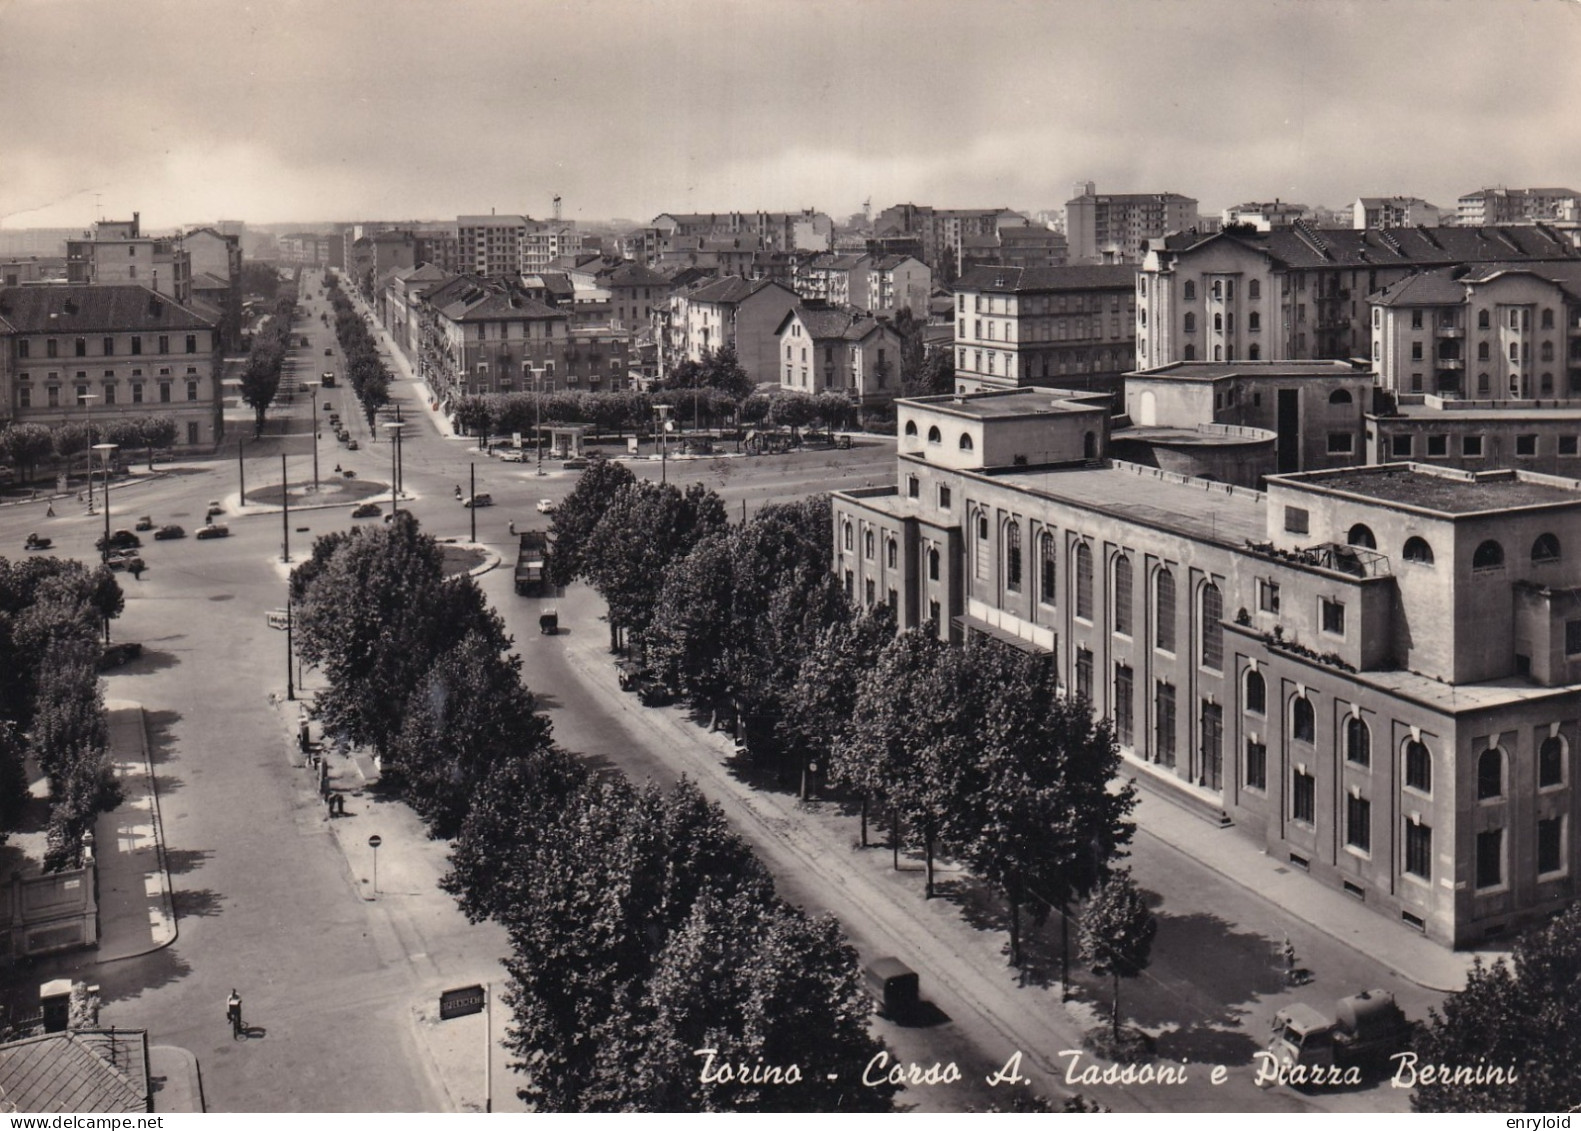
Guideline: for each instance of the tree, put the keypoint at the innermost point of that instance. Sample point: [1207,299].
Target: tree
[26,445]
[158,432]
[261,378]
[1522,1016]
[575,519]
[13,778]
[471,415]
[1117,930]
[938,374]
[1045,820]
[722,370]
[909,328]
[470,713]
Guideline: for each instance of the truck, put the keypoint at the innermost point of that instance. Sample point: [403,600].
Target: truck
[529,563]
[1366,1030]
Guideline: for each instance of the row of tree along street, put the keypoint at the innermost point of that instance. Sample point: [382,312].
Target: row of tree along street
[966,746]
[369,379]
[641,928]
[27,445]
[266,359]
[52,614]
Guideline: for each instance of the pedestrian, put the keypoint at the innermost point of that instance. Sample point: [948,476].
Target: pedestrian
[340,804]
[136,569]
[329,805]
[513,528]
[49,511]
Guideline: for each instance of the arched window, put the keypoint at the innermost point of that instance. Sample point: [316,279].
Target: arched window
[1489,555]
[911,427]
[1358,742]
[1189,291]
[867,544]
[1189,352]
[1048,574]
[1545,549]
[1483,351]
[891,552]
[1254,352]
[1122,595]
[1490,774]
[1254,289]
[933,435]
[1339,396]
[1190,324]
[933,564]
[1417,550]
[1165,604]
[1256,699]
[1361,535]
[1551,762]
[1482,319]
[1303,720]
[1212,627]
[848,536]
[1013,557]
[1218,322]
[1418,767]
[1254,322]
[1084,581]
[966,442]
[1545,352]
[1548,318]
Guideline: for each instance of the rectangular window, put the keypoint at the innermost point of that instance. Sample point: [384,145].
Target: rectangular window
[164,343]
[1400,446]
[1550,846]
[1267,595]
[137,392]
[192,431]
[1304,798]
[1438,445]
[933,615]
[1212,745]
[1297,520]
[1339,443]
[109,347]
[192,343]
[192,390]
[1526,445]
[944,497]
[1123,683]
[1358,823]
[1333,616]
[1568,446]
[913,486]
[1084,673]
[1490,858]
[52,347]
[1471,446]
[867,592]
[137,344]
[164,392]
[22,348]
[1164,715]
[1256,765]
[109,393]
[24,397]
[1419,850]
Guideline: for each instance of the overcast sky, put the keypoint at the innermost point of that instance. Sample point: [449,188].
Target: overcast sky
[191,111]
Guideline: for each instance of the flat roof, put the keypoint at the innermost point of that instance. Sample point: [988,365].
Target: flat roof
[1438,490]
[1204,509]
[1211,370]
[1013,402]
[1479,414]
[1165,434]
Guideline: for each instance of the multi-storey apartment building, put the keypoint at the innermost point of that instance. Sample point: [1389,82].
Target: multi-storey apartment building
[936,235]
[216,260]
[116,251]
[1494,206]
[1069,327]
[825,349]
[635,292]
[1265,215]
[1111,227]
[742,314]
[1027,245]
[491,246]
[480,337]
[109,352]
[1373,674]
[546,242]
[896,283]
[1299,292]
[807,230]
[1393,212]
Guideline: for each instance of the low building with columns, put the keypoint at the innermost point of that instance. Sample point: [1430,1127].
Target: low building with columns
[1372,673]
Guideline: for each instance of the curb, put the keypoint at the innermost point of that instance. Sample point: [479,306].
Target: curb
[167,1061]
[166,893]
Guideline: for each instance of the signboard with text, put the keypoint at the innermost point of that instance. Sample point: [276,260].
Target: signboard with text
[460,1002]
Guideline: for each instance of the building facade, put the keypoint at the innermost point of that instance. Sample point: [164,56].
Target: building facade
[106,353]
[1393,212]
[826,349]
[1111,227]
[741,314]
[116,251]
[1492,206]
[1371,673]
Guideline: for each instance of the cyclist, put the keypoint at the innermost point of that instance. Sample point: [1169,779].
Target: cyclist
[233,1013]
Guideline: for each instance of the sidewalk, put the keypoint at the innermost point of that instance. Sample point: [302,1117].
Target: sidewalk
[136,912]
[425,395]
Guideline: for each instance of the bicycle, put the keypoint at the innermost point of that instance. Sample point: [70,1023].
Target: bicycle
[233,1014]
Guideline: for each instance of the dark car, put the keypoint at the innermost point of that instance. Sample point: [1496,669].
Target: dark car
[328,352]
[144,523]
[351,445]
[165,533]
[366,510]
[120,540]
[213,530]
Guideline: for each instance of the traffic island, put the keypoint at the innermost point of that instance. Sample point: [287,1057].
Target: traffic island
[331,491]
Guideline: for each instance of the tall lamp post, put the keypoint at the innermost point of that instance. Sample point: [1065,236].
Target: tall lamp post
[105,451]
[312,398]
[86,401]
[538,375]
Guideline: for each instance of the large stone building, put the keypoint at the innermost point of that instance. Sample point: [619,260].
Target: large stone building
[740,314]
[216,260]
[1373,674]
[1299,292]
[106,353]
[1070,327]
[116,251]
[1112,227]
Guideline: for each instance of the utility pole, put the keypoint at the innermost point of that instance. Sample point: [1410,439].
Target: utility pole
[472,497]
[285,514]
[241,471]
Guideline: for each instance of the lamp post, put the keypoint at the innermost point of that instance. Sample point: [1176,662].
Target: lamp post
[285,514]
[105,451]
[538,375]
[394,428]
[86,401]
[312,397]
[665,426]
[241,473]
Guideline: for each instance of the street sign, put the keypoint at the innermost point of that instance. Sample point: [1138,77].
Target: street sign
[278,618]
[461,1002]
[375,840]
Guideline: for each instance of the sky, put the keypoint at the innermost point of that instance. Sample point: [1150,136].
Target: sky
[192,111]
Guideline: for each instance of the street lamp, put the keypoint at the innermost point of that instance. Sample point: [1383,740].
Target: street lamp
[312,398]
[394,428]
[538,375]
[105,451]
[666,425]
[86,401]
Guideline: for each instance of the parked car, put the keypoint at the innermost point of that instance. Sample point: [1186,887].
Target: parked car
[328,352]
[38,542]
[329,408]
[481,499]
[114,655]
[125,559]
[366,510]
[511,455]
[351,445]
[545,506]
[144,523]
[575,464]
[165,533]
[120,540]
[214,530]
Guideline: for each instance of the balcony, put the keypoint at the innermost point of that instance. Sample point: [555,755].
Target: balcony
[1451,363]
[1451,332]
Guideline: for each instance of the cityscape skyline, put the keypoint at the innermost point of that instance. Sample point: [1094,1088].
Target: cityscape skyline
[629,110]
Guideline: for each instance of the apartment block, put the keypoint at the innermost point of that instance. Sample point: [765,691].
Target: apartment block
[1111,227]
[116,251]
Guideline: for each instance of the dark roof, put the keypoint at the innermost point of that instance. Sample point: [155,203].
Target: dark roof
[731,289]
[634,275]
[1431,288]
[89,309]
[1007,280]
[86,1070]
[1301,246]
[1445,492]
[495,306]
[825,322]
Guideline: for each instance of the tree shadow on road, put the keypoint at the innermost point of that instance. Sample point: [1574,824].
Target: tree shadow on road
[180,861]
[166,784]
[152,660]
[197,903]
[161,726]
[983,907]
